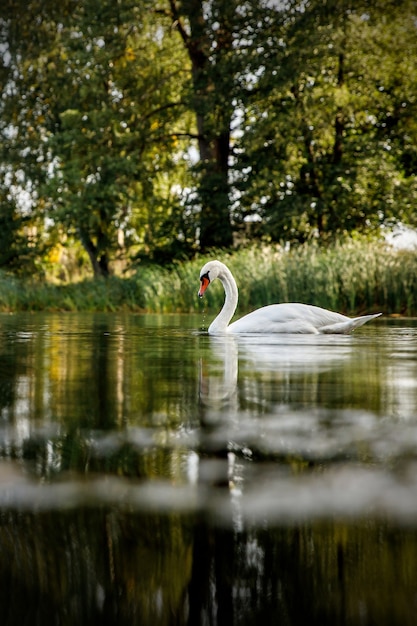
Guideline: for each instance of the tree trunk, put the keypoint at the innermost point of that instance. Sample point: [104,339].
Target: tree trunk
[213,117]
[99,261]
[215,227]
[339,124]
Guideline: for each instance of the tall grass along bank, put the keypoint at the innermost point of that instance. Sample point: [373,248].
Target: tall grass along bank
[350,277]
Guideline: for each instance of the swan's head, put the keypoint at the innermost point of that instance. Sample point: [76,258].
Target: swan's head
[209,272]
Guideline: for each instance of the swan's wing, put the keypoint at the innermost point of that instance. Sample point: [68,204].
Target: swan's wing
[288,317]
[295,317]
[260,325]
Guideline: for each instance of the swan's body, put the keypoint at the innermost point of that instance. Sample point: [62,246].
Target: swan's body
[275,318]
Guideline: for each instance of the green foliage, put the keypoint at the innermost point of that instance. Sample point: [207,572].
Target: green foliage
[100,88]
[355,276]
[323,148]
[152,131]
[19,243]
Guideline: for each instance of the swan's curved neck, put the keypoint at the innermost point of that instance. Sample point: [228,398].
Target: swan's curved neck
[221,322]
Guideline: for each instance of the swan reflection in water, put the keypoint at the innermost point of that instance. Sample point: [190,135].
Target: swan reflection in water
[255,393]
[218,374]
[278,355]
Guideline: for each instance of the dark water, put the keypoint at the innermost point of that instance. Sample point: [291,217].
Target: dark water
[150,474]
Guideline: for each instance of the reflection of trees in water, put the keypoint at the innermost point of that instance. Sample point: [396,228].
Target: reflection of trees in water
[69,386]
[94,371]
[108,410]
[109,566]
[88,396]
[82,566]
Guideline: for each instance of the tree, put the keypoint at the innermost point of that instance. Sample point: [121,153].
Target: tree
[20,242]
[21,229]
[213,114]
[325,135]
[100,84]
[293,116]
[220,38]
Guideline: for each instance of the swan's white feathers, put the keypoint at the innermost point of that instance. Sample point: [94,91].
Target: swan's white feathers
[291,317]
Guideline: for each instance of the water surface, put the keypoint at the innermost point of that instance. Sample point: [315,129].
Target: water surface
[152,474]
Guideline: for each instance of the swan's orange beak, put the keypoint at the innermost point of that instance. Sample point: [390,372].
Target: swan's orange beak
[204,284]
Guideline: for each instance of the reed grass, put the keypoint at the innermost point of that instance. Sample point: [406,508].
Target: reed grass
[353,277]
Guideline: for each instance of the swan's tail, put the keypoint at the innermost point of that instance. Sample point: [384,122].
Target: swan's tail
[344,328]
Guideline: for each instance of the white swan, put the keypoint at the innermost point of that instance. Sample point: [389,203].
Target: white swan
[275,318]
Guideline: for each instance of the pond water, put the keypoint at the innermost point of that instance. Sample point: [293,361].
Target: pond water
[151,474]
